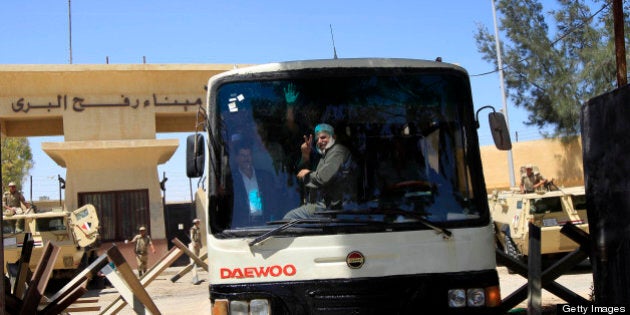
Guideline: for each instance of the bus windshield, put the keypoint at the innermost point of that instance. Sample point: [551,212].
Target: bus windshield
[407,138]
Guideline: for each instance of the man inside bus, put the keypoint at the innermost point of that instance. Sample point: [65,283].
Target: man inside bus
[325,186]
[253,190]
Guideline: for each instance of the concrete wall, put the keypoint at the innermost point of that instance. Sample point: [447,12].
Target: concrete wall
[560,160]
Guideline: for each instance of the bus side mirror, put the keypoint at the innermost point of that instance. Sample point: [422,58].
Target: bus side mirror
[499,130]
[195,155]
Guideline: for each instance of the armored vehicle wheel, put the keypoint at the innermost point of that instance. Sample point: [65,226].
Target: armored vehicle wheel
[511,250]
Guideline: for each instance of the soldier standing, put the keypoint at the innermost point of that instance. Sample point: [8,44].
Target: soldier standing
[143,243]
[531,180]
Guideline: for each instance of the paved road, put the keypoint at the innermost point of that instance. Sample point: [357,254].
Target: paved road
[183,297]
[579,281]
[180,297]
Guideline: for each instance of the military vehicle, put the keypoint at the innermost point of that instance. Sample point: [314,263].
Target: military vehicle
[550,210]
[74,232]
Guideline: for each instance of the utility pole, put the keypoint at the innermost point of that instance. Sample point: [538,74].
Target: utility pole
[505,109]
[70,31]
[620,46]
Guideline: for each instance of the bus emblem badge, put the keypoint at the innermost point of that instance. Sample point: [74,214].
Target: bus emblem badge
[355,260]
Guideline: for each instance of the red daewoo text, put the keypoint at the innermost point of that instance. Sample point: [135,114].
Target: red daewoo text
[258,272]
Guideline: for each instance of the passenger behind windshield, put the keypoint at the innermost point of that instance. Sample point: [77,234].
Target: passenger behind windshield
[255,190]
[325,186]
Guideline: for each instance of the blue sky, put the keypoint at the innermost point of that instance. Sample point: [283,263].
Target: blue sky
[244,32]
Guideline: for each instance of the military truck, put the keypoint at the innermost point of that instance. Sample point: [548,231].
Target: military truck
[74,232]
[550,210]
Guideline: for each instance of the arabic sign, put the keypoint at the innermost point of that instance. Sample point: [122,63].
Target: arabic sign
[79,104]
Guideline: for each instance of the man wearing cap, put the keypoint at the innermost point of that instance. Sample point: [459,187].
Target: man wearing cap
[530,180]
[325,185]
[143,243]
[195,246]
[12,201]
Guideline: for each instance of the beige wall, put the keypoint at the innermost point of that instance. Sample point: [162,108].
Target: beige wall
[556,159]
[109,116]
[99,166]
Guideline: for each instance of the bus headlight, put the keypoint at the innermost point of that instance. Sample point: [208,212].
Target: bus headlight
[253,307]
[239,308]
[456,298]
[259,307]
[475,297]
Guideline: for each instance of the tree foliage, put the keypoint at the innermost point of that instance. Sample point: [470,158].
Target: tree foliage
[17,160]
[552,73]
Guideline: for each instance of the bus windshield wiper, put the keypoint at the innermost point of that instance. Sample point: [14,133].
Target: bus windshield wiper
[264,237]
[416,216]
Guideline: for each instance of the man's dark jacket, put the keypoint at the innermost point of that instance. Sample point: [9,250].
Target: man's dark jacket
[268,192]
[331,178]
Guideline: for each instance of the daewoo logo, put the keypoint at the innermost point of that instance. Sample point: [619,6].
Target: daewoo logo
[258,272]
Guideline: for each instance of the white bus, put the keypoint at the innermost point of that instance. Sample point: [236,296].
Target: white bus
[412,230]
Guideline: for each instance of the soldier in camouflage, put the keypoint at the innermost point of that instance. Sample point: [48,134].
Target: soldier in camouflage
[143,243]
